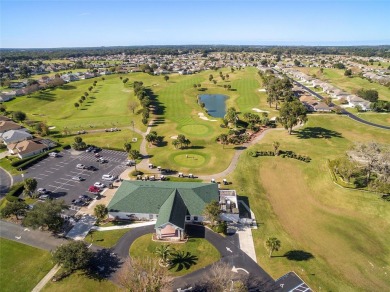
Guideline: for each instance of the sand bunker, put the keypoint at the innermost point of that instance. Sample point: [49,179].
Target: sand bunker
[203,117]
[174,137]
[262,90]
[259,110]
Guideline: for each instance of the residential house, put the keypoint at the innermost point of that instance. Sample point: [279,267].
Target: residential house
[171,204]
[6,96]
[7,125]
[14,136]
[27,148]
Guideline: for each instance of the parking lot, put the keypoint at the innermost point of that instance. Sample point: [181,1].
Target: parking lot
[55,173]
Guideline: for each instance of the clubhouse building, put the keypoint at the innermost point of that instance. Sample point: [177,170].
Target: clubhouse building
[171,204]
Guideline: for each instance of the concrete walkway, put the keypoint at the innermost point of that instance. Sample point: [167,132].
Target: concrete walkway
[46,279]
[134,225]
[246,241]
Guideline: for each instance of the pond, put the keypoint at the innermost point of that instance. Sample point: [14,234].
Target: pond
[215,104]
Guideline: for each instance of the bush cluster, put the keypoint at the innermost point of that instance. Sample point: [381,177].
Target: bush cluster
[283,154]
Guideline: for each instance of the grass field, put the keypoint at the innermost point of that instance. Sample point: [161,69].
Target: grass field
[201,252]
[338,238]
[351,85]
[22,266]
[105,238]
[80,282]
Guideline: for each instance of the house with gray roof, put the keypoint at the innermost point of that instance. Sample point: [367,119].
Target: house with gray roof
[171,204]
[14,136]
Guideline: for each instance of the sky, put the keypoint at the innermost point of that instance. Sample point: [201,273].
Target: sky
[95,23]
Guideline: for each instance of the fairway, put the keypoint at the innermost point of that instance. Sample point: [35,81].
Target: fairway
[22,266]
[339,237]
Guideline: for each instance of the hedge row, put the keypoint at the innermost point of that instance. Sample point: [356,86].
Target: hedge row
[283,154]
[23,160]
[15,191]
[33,160]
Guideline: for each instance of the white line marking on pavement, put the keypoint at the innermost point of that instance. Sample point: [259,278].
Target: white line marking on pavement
[228,249]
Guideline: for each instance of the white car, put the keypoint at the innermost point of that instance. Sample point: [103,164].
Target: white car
[78,178]
[107,177]
[80,166]
[99,185]
[53,154]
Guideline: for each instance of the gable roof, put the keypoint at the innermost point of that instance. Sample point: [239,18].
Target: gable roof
[171,200]
[172,211]
[15,136]
[27,146]
[8,125]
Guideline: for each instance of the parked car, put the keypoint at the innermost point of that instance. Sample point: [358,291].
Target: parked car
[43,197]
[102,160]
[80,166]
[99,185]
[93,189]
[130,163]
[85,198]
[92,168]
[90,149]
[78,202]
[96,150]
[78,178]
[108,177]
[41,191]
[53,154]
[97,155]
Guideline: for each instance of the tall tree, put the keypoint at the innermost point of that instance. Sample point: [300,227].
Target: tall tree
[211,211]
[72,256]
[276,146]
[19,116]
[127,147]
[272,244]
[100,211]
[30,185]
[46,215]
[231,116]
[166,78]
[133,105]
[144,274]
[291,113]
[17,208]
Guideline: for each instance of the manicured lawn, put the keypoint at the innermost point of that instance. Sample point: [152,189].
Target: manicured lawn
[80,282]
[22,266]
[342,235]
[201,252]
[105,238]
[351,85]
[108,139]
[379,118]
[6,164]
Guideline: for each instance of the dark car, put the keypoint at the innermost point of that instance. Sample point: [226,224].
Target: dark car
[78,202]
[96,150]
[92,168]
[85,198]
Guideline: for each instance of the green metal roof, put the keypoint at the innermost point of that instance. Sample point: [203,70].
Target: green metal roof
[172,211]
[171,200]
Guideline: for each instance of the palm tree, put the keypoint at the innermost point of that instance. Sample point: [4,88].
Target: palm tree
[276,145]
[272,244]
[76,105]
[223,138]
[134,154]
[164,251]
[127,147]
[30,184]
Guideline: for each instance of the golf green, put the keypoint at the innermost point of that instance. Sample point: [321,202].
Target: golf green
[190,160]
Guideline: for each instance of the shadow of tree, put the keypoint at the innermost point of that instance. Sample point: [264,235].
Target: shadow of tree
[68,87]
[183,260]
[102,265]
[317,132]
[298,255]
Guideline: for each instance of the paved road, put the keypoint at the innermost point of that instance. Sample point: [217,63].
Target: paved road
[227,246]
[5,181]
[39,239]
[232,255]
[344,111]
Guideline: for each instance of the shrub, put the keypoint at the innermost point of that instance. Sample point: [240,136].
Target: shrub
[136,172]
[33,160]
